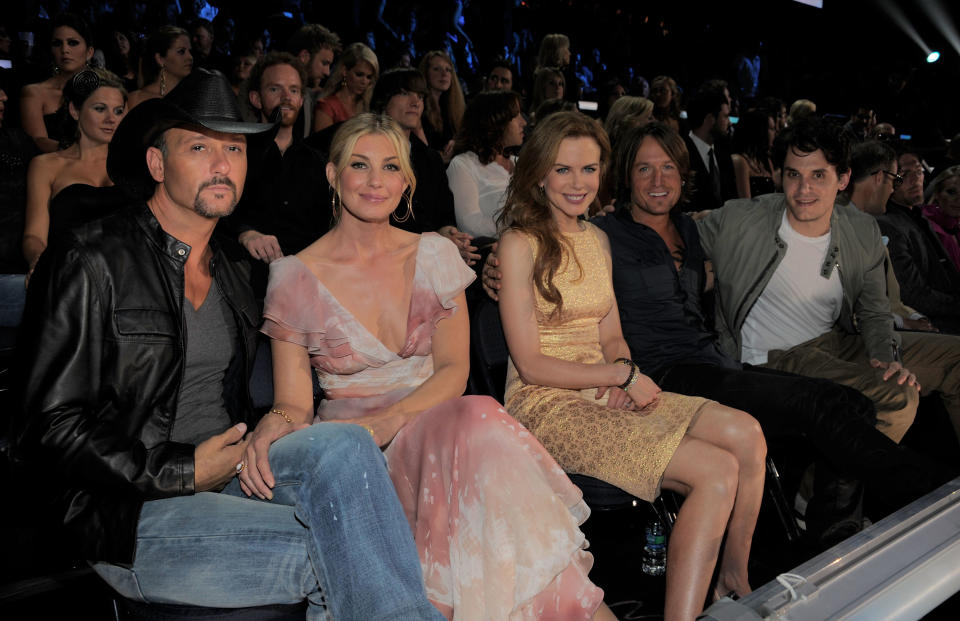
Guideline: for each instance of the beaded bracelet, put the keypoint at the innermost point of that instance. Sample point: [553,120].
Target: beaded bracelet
[281,413]
[634,373]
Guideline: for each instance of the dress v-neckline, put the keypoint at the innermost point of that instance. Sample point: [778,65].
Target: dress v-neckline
[347,312]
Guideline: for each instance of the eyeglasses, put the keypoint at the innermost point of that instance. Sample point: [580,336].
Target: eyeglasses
[897,179]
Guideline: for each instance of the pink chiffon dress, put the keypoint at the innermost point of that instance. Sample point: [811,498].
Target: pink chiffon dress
[495,519]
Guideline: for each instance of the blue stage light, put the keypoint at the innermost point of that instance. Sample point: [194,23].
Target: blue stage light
[933,57]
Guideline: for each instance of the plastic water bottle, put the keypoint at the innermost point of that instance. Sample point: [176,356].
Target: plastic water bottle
[655,549]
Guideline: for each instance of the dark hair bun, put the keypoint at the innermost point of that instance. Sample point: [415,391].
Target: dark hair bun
[81,86]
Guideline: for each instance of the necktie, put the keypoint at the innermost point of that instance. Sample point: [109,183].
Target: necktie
[714,176]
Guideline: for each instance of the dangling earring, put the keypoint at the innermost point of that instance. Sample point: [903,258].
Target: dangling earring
[56,69]
[163,80]
[543,192]
[334,205]
[409,212]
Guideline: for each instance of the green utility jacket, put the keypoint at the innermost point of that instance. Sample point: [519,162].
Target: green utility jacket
[741,239]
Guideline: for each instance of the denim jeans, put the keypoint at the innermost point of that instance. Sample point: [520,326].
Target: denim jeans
[13,295]
[334,534]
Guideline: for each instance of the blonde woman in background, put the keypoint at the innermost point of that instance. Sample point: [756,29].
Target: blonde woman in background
[445,103]
[627,112]
[349,88]
[548,83]
[554,51]
[666,101]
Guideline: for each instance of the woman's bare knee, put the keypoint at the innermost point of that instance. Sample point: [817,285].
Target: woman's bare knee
[701,466]
[753,448]
[734,431]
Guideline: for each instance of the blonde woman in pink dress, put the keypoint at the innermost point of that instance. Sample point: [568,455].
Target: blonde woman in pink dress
[379,315]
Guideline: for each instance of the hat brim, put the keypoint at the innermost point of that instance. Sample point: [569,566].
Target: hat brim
[126,156]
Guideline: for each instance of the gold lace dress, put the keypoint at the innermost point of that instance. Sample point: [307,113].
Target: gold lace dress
[628,449]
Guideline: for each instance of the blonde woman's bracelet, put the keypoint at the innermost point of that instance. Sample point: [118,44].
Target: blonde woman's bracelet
[282,413]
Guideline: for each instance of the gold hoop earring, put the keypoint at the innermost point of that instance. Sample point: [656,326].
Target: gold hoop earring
[409,213]
[163,80]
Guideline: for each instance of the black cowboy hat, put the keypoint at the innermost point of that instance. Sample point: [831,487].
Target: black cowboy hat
[202,98]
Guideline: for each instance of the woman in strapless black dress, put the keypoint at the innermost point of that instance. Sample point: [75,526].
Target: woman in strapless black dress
[752,166]
[64,187]
[42,108]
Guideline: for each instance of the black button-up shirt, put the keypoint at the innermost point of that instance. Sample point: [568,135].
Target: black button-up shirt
[660,311]
[287,195]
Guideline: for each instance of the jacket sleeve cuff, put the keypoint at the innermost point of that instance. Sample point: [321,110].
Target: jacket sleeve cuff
[187,471]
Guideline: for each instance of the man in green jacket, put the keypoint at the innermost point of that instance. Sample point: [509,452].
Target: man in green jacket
[801,286]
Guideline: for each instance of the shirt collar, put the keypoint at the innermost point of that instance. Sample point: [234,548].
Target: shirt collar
[702,147]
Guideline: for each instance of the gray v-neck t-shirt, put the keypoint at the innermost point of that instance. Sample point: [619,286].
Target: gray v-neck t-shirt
[211,336]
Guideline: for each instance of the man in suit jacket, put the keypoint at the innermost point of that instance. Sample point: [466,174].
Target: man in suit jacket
[713,179]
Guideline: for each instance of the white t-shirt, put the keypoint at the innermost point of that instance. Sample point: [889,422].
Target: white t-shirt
[798,304]
[478,193]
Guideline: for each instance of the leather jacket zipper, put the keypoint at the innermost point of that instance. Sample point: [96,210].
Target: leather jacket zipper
[183,347]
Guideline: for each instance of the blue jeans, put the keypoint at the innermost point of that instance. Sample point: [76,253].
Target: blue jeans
[13,295]
[334,534]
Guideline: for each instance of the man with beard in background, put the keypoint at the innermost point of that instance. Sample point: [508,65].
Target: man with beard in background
[286,205]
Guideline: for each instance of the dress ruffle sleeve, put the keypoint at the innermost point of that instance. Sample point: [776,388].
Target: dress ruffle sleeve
[296,311]
[444,268]
[441,276]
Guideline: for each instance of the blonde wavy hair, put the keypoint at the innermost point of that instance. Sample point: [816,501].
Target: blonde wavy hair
[551,50]
[353,55]
[345,142]
[625,113]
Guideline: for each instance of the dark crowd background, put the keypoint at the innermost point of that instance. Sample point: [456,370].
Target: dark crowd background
[842,56]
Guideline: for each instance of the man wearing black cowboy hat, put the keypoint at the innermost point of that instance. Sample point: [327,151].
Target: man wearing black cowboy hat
[138,342]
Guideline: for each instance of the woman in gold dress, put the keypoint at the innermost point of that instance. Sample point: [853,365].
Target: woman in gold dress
[571,382]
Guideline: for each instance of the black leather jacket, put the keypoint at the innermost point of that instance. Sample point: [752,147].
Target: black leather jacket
[928,281]
[103,352]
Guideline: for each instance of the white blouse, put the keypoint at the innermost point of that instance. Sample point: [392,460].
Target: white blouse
[478,193]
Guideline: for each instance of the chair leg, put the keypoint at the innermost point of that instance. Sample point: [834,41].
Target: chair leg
[774,491]
[667,505]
